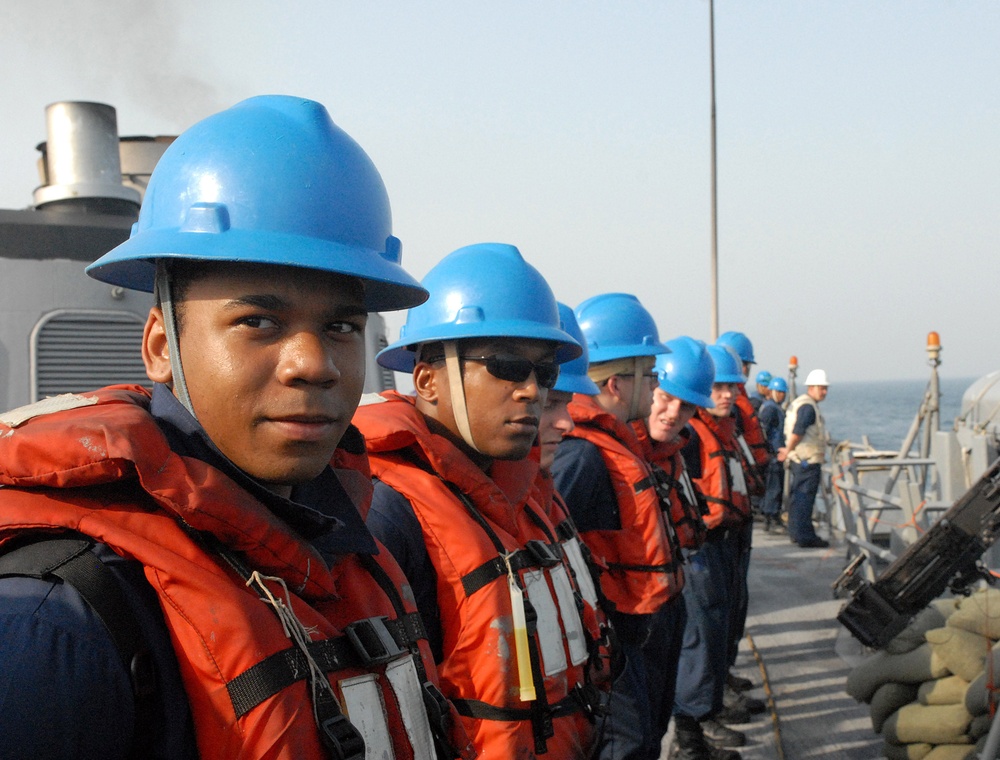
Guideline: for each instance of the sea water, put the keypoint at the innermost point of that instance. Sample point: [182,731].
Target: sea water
[884,410]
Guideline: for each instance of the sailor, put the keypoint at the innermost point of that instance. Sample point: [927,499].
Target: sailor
[456,502]
[685,378]
[213,591]
[805,449]
[760,391]
[756,457]
[772,422]
[555,423]
[601,471]
[716,572]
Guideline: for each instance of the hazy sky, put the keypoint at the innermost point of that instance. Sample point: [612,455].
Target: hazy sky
[858,144]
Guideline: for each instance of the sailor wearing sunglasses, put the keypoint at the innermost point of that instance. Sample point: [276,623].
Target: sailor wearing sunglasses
[601,471]
[456,503]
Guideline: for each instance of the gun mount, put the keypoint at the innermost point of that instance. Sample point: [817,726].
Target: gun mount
[946,556]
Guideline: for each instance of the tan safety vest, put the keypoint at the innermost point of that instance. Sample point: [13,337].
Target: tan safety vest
[812,447]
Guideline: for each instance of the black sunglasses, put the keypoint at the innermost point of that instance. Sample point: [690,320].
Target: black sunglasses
[517,369]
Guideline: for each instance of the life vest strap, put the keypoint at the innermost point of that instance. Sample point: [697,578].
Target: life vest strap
[667,568]
[535,554]
[372,641]
[473,708]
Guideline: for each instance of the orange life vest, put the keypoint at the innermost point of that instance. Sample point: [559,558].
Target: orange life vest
[643,571]
[752,443]
[490,545]
[586,574]
[675,485]
[722,482]
[104,469]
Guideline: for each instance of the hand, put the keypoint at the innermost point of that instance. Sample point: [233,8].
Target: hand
[782,454]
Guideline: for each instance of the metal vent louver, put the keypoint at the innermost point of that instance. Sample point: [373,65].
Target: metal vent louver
[77,351]
[388,378]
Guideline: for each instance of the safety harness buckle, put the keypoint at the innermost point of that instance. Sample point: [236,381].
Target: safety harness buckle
[373,641]
[341,738]
[543,554]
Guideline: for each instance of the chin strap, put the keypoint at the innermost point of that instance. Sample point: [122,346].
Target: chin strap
[164,295]
[457,388]
[637,377]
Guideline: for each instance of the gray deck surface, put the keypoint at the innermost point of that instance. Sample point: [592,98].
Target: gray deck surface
[792,629]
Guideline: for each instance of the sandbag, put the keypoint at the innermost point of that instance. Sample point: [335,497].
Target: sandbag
[979,613]
[905,751]
[962,652]
[921,664]
[949,690]
[951,752]
[888,698]
[934,724]
[913,635]
[980,726]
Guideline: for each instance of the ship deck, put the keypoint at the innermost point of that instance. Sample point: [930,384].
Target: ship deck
[799,656]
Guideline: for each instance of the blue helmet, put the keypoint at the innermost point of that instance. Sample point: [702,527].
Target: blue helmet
[778,384]
[485,290]
[617,326]
[687,372]
[271,180]
[727,365]
[573,374]
[763,377]
[740,343]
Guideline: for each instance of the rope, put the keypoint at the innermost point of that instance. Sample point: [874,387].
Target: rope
[772,705]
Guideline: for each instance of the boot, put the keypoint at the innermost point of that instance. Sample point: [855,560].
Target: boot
[719,735]
[738,683]
[689,742]
[732,699]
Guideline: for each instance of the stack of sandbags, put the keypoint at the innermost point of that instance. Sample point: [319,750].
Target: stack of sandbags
[932,687]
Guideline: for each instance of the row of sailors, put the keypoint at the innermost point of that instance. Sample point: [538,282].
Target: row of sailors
[541,551]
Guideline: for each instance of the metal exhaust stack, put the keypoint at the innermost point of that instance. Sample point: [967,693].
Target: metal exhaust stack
[80,166]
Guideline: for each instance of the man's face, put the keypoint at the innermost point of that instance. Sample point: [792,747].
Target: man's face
[648,382]
[818,392]
[504,415]
[778,396]
[668,416]
[274,362]
[762,390]
[722,395]
[555,423]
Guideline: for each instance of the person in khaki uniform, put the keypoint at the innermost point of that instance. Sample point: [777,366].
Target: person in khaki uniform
[805,449]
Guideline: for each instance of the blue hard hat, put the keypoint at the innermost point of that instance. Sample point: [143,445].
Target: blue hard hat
[740,343]
[763,377]
[617,326]
[687,372]
[486,290]
[778,384]
[573,374]
[728,368]
[271,180]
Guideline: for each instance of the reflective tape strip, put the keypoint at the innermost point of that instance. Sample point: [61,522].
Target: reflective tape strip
[365,709]
[581,570]
[688,488]
[402,676]
[550,639]
[572,623]
[736,475]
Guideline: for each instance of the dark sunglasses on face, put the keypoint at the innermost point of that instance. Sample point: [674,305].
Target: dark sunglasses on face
[517,369]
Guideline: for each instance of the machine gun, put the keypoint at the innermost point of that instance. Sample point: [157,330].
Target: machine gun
[946,556]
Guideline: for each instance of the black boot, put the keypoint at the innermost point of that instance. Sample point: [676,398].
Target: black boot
[690,744]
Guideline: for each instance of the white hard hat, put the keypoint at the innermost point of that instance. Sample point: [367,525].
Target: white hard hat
[817,377]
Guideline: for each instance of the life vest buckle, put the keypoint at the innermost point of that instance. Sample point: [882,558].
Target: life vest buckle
[342,739]
[543,554]
[373,641]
